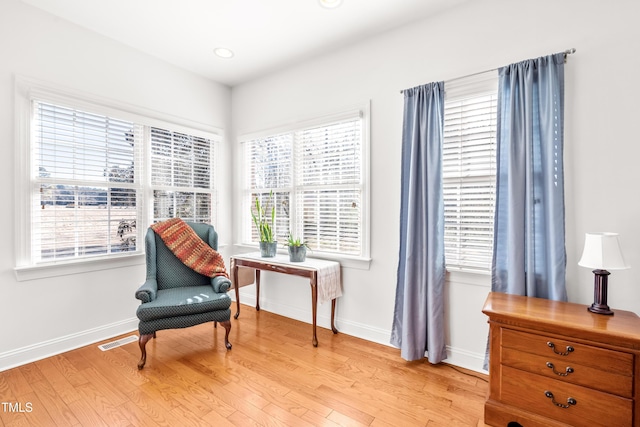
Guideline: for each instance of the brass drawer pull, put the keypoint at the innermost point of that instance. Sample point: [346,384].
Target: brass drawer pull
[570,401]
[566,372]
[568,350]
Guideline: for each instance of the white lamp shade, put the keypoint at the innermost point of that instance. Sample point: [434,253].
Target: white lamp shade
[602,252]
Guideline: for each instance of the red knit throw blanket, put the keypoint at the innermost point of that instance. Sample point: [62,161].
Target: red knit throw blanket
[189,248]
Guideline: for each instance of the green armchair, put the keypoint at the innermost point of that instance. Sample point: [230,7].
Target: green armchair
[174,296]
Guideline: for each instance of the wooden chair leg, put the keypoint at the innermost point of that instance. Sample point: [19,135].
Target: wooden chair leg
[227,327]
[142,341]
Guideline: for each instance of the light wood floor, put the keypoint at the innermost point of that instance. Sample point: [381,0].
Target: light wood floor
[273,376]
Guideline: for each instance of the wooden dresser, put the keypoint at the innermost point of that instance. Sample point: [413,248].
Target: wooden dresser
[556,364]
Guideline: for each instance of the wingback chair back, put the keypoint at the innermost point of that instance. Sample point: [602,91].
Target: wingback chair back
[175,296]
[166,268]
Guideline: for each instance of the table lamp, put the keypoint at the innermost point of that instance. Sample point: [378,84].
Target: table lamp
[601,252]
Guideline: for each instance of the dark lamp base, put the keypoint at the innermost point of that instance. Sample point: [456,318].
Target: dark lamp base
[599,305]
[600,309]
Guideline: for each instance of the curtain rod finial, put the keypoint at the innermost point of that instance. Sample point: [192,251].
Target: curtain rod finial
[569,52]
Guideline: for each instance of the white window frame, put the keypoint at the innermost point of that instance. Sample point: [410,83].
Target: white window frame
[28,90]
[242,205]
[474,86]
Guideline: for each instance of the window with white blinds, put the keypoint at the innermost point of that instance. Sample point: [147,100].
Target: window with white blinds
[469,173]
[268,178]
[316,173]
[90,178]
[86,192]
[181,176]
[329,186]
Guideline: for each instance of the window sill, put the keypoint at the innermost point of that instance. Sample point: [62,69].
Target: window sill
[358,263]
[76,267]
[475,278]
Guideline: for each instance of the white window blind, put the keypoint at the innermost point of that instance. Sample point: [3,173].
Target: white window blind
[316,175]
[90,182]
[86,192]
[182,176]
[329,186]
[268,173]
[469,173]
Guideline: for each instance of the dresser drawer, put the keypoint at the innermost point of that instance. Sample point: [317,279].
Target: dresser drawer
[592,408]
[604,360]
[565,370]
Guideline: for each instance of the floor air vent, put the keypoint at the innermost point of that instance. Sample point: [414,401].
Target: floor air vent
[118,343]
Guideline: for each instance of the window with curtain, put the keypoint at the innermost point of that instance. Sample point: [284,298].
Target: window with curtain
[314,174]
[469,171]
[94,191]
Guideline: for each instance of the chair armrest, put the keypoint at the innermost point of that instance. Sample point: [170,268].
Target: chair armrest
[147,292]
[220,284]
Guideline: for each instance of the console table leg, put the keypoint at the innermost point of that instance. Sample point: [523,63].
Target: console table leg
[314,306]
[333,316]
[257,290]
[234,272]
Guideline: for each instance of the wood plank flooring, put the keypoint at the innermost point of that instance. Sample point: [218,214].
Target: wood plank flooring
[273,376]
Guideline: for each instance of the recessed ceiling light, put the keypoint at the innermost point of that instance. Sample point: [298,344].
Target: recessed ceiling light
[223,52]
[330,4]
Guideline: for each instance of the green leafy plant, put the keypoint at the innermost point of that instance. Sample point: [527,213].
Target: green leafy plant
[297,249]
[296,242]
[261,219]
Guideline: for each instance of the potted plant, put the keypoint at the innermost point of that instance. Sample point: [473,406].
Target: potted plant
[297,249]
[265,224]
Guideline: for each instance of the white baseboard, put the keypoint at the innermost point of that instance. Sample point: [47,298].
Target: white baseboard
[31,353]
[465,359]
[379,336]
[24,355]
[455,356]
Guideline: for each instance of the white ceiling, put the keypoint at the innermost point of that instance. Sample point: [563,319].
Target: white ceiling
[264,34]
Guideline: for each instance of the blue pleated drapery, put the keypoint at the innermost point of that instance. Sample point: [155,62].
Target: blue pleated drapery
[418,320]
[529,255]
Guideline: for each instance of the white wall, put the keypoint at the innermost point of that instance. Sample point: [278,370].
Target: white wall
[41,317]
[601,148]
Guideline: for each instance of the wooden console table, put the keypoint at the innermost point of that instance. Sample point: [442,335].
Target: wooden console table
[281,264]
[556,364]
